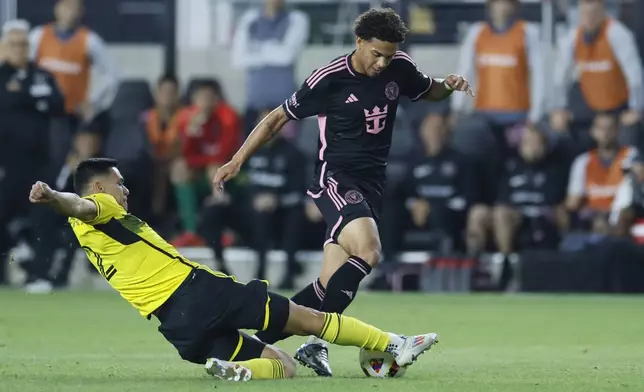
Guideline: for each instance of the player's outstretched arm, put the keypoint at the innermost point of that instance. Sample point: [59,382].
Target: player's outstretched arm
[442,88]
[263,132]
[68,204]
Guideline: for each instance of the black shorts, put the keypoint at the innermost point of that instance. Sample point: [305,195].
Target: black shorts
[342,199]
[203,317]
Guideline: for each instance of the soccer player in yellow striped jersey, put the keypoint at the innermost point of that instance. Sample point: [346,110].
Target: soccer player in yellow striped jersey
[200,311]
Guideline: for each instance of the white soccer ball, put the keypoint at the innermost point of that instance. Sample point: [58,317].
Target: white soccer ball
[380,365]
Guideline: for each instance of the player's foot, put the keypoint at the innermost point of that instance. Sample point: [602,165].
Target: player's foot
[411,347]
[315,356]
[227,371]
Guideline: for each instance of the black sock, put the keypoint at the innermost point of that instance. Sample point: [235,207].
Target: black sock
[311,296]
[343,285]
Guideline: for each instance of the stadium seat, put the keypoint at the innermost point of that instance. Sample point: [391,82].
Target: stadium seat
[133,97]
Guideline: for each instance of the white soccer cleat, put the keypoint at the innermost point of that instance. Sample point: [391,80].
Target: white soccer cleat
[412,347]
[228,371]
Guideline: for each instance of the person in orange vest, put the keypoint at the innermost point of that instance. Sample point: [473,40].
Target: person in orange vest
[627,211]
[161,125]
[70,51]
[596,175]
[502,56]
[601,54]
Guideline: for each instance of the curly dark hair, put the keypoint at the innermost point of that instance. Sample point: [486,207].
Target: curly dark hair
[383,24]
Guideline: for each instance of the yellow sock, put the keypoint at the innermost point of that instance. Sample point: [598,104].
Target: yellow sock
[264,368]
[348,331]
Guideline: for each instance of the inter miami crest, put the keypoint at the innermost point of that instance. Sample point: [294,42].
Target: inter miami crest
[392,91]
[353,197]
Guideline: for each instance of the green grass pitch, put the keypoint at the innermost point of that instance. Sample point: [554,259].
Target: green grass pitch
[94,341]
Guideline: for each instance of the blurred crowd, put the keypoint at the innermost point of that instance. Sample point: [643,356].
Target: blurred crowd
[539,159]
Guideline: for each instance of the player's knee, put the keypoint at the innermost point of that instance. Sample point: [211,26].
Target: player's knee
[370,251]
[360,238]
[304,321]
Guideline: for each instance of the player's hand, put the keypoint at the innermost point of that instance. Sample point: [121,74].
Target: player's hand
[41,193]
[459,83]
[224,174]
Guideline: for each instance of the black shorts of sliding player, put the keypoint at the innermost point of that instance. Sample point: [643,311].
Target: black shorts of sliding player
[311,296]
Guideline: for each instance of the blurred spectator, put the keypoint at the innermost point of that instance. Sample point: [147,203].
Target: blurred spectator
[502,58]
[571,9]
[627,211]
[273,206]
[624,252]
[29,97]
[161,125]
[70,51]
[267,45]
[596,175]
[532,190]
[601,54]
[210,135]
[437,189]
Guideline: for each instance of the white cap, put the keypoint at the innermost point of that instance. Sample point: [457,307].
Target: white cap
[20,25]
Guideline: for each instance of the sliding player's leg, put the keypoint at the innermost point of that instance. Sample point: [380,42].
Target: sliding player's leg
[348,331]
[251,306]
[235,356]
[312,295]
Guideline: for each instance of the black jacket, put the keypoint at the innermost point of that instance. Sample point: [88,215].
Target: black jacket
[278,168]
[25,114]
[445,180]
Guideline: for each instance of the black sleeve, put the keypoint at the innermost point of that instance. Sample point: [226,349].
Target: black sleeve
[414,83]
[310,99]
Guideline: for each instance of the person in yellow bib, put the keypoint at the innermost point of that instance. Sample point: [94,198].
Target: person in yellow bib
[200,311]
